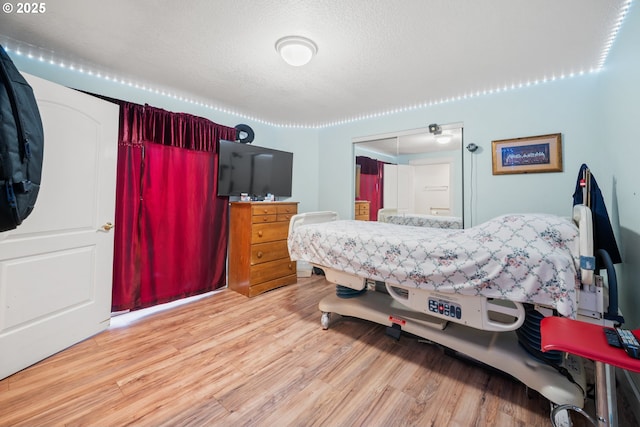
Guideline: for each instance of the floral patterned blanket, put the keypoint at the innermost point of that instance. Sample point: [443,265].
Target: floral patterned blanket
[520,257]
[418,220]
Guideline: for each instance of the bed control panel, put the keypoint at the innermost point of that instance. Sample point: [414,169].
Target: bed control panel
[445,308]
[471,310]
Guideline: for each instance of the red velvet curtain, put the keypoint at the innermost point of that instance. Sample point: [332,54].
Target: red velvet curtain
[171,228]
[371,184]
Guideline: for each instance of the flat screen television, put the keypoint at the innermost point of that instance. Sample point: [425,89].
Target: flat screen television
[257,171]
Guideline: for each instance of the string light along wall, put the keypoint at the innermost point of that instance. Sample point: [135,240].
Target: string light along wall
[37,54]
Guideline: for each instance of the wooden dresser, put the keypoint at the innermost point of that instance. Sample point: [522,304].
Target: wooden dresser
[258,254]
[362,210]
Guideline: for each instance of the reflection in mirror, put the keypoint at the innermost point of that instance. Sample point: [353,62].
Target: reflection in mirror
[412,177]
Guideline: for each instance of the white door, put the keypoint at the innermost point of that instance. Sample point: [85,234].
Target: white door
[390,186]
[405,189]
[398,187]
[56,268]
[432,188]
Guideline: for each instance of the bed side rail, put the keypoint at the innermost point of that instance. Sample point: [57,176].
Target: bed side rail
[582,218]
[311,218]
[593,299]
[384,213]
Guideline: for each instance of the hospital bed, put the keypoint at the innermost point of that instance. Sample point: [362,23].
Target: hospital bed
[480,292]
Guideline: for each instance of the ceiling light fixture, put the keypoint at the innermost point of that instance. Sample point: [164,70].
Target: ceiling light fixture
[443,138]
[296,50]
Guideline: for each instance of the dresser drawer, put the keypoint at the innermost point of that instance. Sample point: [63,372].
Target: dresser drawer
[271,270]
[285,212]
[265,252]
[284,217]
[361,211]
[362,208]
[266,209]
[272,284]
[258,219]
[287,209]
[269,232]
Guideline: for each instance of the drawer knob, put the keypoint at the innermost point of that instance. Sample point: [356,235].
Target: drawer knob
[259,254]
[260,233]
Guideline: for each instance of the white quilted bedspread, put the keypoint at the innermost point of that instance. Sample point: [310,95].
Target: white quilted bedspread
[418,220]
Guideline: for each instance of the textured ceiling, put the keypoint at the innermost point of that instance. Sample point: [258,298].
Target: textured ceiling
[374,56]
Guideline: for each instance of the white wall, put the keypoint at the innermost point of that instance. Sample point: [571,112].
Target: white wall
[618,140]
[434,188]
[306,168]
[454,159]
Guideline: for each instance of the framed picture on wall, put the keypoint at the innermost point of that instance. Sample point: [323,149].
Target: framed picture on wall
[532,154]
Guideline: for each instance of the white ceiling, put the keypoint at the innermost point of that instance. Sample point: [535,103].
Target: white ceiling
[374,56]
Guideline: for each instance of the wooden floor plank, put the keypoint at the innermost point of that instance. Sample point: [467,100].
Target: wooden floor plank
[229,360]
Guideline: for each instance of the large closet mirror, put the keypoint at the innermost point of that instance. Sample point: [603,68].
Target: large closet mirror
[412,177]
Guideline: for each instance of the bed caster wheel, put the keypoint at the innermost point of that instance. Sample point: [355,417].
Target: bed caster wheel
[325,319]
[560,416]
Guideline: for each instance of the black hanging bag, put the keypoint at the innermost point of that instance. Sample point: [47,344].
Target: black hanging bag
[21,146]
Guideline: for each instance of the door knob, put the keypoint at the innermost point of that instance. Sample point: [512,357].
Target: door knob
[107,226]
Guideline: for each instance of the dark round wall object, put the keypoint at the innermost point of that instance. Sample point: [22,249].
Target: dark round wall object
[244,134]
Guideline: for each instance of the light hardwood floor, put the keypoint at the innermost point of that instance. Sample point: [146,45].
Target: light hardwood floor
[229,360]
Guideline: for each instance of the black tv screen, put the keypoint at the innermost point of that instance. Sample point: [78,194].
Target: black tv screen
[257,171]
